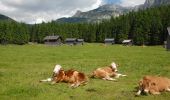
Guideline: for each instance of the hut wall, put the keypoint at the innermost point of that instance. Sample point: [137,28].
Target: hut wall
[168,43]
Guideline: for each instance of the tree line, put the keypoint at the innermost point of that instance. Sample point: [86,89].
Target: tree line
[144,27]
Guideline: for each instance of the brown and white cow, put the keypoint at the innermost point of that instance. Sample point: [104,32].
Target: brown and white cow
[153,85]
[73,77]
[107,72]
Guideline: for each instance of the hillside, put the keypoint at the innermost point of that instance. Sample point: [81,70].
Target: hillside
[3,17]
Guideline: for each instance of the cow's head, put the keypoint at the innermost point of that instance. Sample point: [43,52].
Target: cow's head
[114,66]
[56,70]
[145,85]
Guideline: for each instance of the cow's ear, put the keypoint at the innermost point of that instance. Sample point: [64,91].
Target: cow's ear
[153,83]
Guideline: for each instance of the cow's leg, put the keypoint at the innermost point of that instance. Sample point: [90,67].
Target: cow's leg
[154,92]
[72,85]
[118,75]
[108,78]
[76,85]
[46,80]
[139,92]
[123,75]
[53,82]
[168,89]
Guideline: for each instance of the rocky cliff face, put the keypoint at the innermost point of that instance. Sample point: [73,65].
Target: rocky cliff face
[110,10]
[151,3]
[103,12]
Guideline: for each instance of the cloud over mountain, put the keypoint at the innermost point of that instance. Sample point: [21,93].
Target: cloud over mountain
[131,2]
[31,11]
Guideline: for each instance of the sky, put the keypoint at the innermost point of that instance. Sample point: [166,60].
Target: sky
[37,11]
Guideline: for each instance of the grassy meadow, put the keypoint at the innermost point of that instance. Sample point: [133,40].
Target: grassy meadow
[21,68]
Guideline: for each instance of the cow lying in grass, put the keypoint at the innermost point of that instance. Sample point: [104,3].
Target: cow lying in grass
[153,85]
[73,77]
[107,72]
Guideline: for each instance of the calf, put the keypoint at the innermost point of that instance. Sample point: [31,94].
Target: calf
[153,85]
[73,77]
[107,72]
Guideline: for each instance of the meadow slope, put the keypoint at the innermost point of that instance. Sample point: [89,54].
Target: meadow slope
[21,68]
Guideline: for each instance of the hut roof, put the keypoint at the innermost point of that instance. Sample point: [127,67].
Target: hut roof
[51,37]
[109,39]
[80,40]
[168,30]
[70,39]
[126,41]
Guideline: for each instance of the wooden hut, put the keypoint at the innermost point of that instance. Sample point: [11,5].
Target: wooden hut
[3,42]
[53,40]
[71,41]
[109,41]
[168,39]
[127,42]
[80,41]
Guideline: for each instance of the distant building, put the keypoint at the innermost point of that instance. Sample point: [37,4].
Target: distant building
[168,39]
[165,44]
[109,41]
[80,41]
[127,42]
[71,41]
[3,42]
[53,40]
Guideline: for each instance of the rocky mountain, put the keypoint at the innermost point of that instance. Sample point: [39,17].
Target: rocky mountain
[109,10]
[152,3]
[103,12]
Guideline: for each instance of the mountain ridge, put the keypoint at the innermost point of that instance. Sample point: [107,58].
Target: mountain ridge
[5,18]
[109,10]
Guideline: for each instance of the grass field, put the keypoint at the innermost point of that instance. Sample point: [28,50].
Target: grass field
[21,68]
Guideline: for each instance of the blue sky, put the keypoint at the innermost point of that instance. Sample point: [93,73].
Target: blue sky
[113,1]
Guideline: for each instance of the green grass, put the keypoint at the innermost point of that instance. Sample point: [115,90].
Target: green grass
[21,68]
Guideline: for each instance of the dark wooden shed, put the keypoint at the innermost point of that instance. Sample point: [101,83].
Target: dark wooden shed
[127,42]
[53,40]
[80,41]
[168,39]
[109,41]
[71,41]
[3,42]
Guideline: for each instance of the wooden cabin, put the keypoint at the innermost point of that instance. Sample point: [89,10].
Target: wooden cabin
[53,40]
[109,41]
[168,40]
[71,41]
[127,42]
[80,41]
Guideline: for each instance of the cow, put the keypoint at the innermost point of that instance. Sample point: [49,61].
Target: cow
[153,85]
[107,72]
[75,78]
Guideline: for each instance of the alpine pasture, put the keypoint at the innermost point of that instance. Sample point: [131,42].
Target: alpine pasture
[21,68]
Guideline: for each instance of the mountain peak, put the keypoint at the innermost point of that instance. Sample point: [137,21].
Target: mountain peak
[77,13]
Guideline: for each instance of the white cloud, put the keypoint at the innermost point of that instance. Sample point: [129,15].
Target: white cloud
[127,3]
[31,11]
